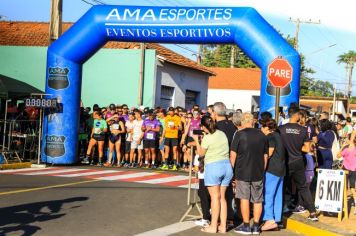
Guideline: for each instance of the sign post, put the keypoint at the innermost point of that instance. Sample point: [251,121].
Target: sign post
[331,193]
[280,74]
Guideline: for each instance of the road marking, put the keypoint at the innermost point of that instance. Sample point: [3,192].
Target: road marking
[89,173]
[164,180]
[169,229]
[128,176]
[52,172]
[47,187]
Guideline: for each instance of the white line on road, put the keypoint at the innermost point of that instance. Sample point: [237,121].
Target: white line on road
[194,185]
[164,180]
[127,176]
[90,173]
[52,172]
[169,229]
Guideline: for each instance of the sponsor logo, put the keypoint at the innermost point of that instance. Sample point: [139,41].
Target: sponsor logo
[58,78]
[55,146]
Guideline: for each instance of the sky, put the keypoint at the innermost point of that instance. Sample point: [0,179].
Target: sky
[337,25]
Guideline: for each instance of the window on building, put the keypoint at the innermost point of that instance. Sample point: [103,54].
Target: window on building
[167,94]
[191,98]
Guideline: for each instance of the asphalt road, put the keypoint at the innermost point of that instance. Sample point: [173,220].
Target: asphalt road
[90,208]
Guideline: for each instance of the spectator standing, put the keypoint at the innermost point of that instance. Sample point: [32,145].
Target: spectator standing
[137,137]
[325,142]
[275,172]
[295,140]
[249,153]
[218,171]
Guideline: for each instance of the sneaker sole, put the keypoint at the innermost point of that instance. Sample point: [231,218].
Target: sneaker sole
[299,212]
[242,232]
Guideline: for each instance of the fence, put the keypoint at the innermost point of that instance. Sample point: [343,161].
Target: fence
[19,139]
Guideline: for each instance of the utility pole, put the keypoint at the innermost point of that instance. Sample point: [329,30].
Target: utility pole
[351,62]
[298,22]
[200,53]
[55,24]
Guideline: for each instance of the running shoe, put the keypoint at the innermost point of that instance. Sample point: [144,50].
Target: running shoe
[299,210]
[164,167]
[100,164]
[202,223]
[174,167]
[313,217]
[256,230]
[85,161]
[242,229]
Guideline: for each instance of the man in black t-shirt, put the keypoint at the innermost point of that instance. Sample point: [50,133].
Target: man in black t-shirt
[295,140]
[249,153]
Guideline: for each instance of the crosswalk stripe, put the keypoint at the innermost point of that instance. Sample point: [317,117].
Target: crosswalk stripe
[25,170]
[164,180]
[89,173]
[127,176]
[51,172]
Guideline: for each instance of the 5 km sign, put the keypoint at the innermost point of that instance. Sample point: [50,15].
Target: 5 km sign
[280,73]
[329,190]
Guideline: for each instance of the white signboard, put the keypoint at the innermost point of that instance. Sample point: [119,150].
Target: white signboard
[329,190]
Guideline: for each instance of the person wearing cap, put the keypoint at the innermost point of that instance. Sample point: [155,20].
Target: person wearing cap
[170,133]
[187,141]
[161,115]
[117,128]
[151,127]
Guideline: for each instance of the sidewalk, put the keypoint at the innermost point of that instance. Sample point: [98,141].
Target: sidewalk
[327,225]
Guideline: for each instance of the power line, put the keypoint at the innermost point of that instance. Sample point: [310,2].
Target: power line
[89,3]
[328,72]
[298,22]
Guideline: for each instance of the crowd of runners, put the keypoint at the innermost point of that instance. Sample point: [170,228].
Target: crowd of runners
[236,155]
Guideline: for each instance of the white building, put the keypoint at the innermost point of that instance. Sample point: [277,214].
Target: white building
[238,88]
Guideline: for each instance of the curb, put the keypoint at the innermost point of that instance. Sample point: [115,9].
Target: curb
[15,166]
[299,224]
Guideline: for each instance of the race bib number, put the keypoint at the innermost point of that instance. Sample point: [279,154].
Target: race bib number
[115,127]
[97,131]
[171,124]
[150,136]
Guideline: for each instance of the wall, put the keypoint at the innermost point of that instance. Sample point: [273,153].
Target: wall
[233,99]
[182,79]
[111,75]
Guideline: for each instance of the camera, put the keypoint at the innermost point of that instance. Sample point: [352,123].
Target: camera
[198,132]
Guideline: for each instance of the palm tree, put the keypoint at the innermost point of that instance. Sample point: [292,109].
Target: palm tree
[349,59]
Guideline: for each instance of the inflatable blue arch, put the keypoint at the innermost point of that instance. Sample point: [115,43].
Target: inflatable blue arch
[186,25]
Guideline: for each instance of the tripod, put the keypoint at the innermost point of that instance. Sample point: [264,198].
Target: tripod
[192,204]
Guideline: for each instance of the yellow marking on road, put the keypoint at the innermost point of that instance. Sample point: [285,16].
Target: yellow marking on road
[47,187]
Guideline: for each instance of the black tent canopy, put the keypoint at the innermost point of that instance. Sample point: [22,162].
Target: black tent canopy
[12,88]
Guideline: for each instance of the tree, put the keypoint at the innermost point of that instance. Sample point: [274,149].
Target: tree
[349,59]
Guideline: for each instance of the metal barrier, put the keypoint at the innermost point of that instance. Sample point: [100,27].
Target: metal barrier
[19,139]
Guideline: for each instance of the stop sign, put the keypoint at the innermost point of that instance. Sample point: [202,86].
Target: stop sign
[280,73]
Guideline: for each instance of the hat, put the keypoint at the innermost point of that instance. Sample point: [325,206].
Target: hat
[150,112]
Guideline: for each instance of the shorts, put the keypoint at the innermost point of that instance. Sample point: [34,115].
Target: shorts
[114,138]
[134,145]
[218,173]
[148,143]
[171,142]
[352,178]
[99,137]
[127,146]
[252,191]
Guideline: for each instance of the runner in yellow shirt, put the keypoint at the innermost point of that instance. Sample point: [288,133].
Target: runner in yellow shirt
[170,133]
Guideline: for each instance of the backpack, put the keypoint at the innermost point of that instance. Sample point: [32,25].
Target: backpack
[335,149]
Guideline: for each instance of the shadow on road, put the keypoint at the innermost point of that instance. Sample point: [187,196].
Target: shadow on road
[19,218]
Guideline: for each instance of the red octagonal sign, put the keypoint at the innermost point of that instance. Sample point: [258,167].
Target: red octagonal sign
[280,73]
